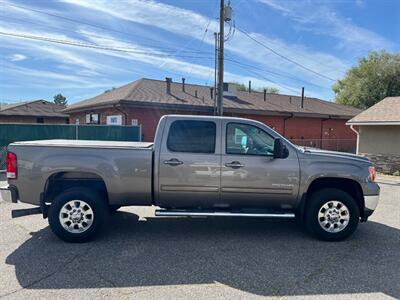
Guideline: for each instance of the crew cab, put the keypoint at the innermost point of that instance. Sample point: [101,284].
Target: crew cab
[197,166]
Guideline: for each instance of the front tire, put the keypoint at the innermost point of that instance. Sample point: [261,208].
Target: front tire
[77,215]
[332,214]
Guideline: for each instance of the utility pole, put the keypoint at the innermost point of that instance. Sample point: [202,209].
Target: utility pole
[225,14]
[215,109]
[221,59]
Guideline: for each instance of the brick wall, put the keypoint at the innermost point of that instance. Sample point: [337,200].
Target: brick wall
[307,129]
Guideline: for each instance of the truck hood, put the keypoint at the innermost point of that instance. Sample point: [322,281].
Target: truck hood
[334,154]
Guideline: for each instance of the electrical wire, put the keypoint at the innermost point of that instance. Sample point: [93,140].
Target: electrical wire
[110,39]
[95,46]
[274,73]
[283,56]
[80,22]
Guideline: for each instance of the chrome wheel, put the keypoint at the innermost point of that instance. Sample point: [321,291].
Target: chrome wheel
[333,216]
[76,216]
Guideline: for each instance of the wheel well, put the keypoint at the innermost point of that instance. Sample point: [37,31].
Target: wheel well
[349,186]
[64,180]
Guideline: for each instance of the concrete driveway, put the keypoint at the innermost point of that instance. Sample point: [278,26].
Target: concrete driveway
[140,256]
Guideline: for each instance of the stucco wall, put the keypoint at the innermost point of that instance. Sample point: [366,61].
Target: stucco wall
[380,139]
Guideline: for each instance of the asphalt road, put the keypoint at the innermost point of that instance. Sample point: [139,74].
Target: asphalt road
[140,256]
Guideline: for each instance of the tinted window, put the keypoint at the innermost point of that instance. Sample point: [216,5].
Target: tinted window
[192,136]
[248,139]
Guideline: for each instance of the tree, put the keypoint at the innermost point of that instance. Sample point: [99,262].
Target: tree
[60,100]
[243,87]
[375,77]
[270,90]
[239,86]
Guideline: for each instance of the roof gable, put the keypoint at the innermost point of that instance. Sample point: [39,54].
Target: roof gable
[385,111]
[37,108]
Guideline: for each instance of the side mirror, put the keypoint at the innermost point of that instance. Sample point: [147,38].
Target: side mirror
[280,150]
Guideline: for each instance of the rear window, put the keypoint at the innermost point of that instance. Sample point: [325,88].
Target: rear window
[192,136]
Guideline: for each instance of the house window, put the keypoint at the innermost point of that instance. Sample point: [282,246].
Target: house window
[114,120]
[135,122]
[40,120]
[92,118]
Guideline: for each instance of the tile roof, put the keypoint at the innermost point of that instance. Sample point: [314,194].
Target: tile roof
[149,91]
[37,108]
[385,111]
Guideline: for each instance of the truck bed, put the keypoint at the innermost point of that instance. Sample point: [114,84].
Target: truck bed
[124,167]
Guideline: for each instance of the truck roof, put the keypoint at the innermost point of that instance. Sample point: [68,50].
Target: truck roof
[205,117]
[85,144]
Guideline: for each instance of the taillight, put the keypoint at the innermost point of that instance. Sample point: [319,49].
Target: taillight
[372,174]
[11,162]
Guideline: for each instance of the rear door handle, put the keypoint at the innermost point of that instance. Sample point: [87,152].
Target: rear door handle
[173,162]
[234,165]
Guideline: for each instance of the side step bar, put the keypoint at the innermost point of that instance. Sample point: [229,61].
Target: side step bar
[16,213]
[187,213]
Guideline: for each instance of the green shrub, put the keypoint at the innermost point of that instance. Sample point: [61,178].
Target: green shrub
[397,173]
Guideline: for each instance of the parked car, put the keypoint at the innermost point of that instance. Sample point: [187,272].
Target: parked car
[197,166]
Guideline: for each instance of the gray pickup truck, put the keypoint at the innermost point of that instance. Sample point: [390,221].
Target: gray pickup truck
[197,166]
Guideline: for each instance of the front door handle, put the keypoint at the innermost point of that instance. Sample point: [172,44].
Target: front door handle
[234,165]
[173,162]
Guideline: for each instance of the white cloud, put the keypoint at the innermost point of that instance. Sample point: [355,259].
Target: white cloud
[102,64]
[189,23]
[322,19]
[17,57]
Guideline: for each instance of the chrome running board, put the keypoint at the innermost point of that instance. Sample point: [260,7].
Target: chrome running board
[188,213]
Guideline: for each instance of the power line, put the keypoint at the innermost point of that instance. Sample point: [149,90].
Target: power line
[79,22]
[95,46]
[274,73]
[72,31]
[283,56]
[270,80]
[111,39]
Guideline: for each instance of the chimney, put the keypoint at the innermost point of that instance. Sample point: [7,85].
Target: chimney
[183,84]
[195,93]
[249,86]
[302,97]
[212,92]
[265,95]
[168,80]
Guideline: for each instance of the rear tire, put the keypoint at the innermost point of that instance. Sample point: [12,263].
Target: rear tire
[77,215]
[331,214]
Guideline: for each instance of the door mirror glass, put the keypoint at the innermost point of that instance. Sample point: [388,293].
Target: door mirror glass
[280,149]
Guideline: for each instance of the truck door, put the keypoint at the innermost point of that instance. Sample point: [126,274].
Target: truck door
[250,175]
[190,163]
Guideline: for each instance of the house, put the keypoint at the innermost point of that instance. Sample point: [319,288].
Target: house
[378,134]
[37,111]
[311,122]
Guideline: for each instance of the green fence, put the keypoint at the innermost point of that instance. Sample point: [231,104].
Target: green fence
[27,132]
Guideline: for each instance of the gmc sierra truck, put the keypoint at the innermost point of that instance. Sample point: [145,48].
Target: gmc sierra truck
[197,166]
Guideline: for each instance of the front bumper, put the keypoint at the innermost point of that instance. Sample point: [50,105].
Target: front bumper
[371,202]
[9,194]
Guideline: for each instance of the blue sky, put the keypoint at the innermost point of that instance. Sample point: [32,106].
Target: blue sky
[169,38]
